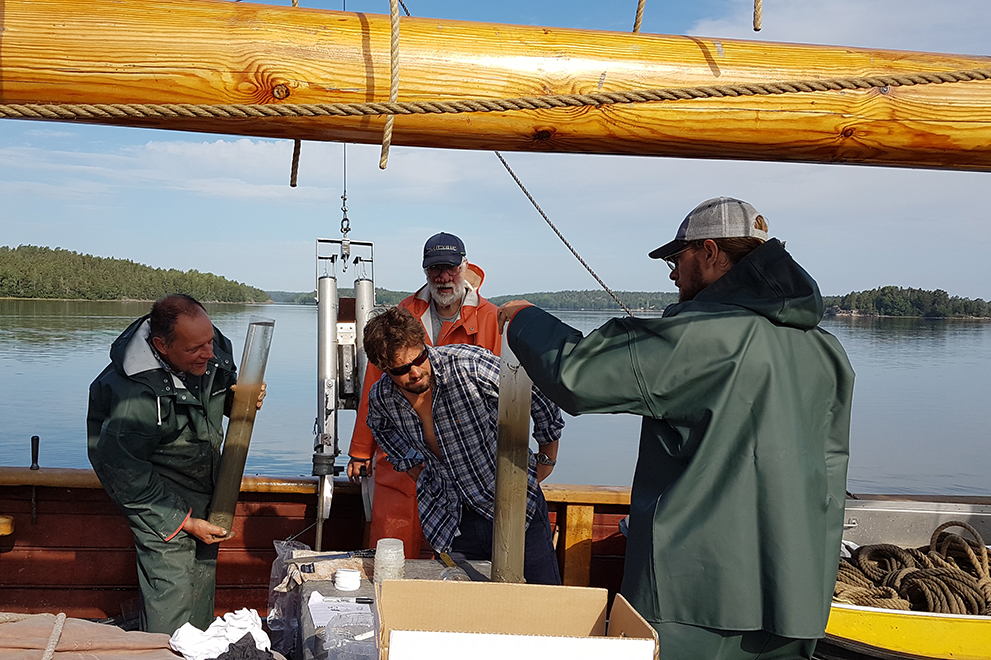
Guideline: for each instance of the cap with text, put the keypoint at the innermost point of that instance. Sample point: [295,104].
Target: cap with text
[443,249]
[722,217]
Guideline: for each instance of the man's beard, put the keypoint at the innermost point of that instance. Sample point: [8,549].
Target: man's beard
[691,282]
[442,298]
[420,387]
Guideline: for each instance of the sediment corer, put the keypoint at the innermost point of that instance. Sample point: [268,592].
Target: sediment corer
[242,421]
[512,466]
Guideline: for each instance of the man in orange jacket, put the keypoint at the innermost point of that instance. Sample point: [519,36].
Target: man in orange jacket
[452,312]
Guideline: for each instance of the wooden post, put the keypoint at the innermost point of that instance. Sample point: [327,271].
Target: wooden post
[512,449]
[575,541]
[242,421]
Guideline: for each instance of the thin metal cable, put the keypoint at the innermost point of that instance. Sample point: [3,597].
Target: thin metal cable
[541,211]
[394,83]
[639,18]
[559,234]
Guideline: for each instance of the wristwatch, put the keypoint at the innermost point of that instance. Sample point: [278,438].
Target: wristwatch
[544,459]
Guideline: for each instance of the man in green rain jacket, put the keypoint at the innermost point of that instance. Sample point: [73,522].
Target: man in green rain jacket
[154,438]
[737,504]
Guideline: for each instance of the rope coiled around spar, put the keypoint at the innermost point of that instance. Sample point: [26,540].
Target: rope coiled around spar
[96,111]
[949,576]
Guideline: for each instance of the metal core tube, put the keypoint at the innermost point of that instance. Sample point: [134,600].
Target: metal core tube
[326,398]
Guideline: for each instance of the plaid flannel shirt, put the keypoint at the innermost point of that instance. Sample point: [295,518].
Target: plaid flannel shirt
[466,416]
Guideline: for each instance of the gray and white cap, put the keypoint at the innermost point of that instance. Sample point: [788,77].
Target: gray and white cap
[722,217]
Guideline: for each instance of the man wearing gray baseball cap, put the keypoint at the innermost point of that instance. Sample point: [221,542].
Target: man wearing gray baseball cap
[736,511]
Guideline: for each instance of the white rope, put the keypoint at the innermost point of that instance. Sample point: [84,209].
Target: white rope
[56,634]
[394,86]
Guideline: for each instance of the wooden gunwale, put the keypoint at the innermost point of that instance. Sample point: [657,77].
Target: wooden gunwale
[59,563]
[71,550]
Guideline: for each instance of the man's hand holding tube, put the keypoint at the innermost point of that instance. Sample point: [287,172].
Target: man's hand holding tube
[204,531]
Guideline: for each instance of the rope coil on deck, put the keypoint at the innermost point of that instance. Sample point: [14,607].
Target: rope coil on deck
[53,640]
[66,112]
[949,576]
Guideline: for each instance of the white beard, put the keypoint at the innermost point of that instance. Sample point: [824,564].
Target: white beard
[443,299]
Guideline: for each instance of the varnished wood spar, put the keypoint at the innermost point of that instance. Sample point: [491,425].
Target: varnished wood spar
[203,51]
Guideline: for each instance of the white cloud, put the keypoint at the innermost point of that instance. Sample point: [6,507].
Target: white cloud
[952,26]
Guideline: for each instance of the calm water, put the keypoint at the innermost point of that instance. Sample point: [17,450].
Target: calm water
[918,418]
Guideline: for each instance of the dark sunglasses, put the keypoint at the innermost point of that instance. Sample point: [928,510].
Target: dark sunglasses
[403,370]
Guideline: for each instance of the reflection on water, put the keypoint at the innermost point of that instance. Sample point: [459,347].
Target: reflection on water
[918,427]
[922,386]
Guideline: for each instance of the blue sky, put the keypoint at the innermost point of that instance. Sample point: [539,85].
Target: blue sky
[223,204]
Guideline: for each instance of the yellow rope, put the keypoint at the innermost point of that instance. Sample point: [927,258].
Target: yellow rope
[96,111]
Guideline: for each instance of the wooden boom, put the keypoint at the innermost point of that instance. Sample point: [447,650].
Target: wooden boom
[212,52]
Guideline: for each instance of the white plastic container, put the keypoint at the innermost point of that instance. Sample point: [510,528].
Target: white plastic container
[347,579]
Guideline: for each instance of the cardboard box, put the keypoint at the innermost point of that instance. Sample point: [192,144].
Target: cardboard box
[436,606]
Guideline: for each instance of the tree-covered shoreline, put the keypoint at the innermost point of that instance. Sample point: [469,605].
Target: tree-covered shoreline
[29,271]
[32,272]
[906,302]
[593,300]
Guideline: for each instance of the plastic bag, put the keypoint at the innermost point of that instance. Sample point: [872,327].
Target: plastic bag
[283,608]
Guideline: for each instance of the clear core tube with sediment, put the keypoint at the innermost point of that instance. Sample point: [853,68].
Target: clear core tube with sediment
[242,421]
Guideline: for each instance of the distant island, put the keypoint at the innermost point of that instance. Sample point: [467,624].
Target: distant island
[594,300]
[896,301]
[382,296]
[28,271]
[559,300]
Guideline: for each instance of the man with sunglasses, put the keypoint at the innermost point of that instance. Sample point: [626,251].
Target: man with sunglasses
[436,415]
[452,312]
[738,496]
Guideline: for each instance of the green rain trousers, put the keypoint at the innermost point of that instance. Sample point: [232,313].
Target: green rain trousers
[177,580]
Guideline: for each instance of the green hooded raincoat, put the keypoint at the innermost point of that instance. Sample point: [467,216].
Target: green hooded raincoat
[155,444]
[738,495]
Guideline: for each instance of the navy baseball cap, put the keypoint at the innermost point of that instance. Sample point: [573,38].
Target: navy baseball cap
[443,249]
